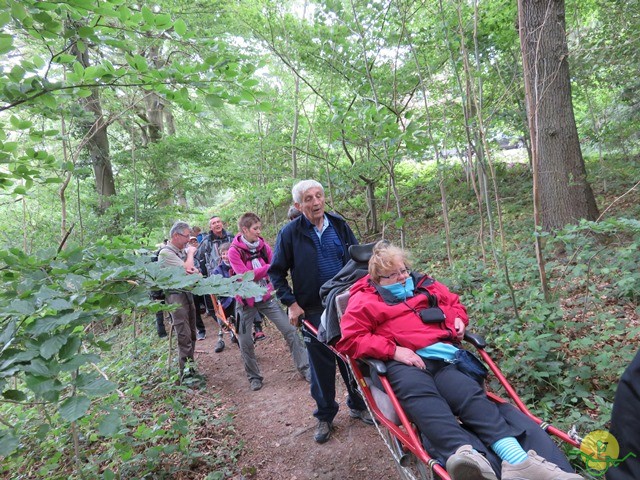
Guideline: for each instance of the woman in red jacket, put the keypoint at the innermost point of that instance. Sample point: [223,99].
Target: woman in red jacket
[416,324]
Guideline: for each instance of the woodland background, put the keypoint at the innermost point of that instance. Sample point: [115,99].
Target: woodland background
[497,140]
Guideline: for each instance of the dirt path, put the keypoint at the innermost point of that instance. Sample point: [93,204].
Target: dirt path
[276,422]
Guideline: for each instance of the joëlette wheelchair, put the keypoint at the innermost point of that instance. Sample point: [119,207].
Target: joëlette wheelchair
[406,444]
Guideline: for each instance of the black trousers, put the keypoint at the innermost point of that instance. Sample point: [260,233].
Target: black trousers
[322,364]
[625,423]
[434,399]
[484,422]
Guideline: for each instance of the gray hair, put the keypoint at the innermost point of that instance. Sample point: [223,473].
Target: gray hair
[299,188]
[179,227]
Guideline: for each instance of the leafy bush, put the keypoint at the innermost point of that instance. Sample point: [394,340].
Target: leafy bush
[61,365]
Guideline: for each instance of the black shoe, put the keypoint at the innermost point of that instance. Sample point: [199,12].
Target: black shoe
[363,415]
[219,346]
[201,336]
[256,384]
[323,431]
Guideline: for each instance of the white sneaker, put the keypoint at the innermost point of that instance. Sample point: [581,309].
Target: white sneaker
[468,464]
[536,468]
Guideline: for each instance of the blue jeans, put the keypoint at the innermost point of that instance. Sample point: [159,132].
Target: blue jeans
[322,363]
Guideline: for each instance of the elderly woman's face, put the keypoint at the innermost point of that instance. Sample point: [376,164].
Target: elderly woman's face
[397,273]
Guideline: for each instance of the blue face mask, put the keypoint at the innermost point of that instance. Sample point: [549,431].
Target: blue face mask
[400,291]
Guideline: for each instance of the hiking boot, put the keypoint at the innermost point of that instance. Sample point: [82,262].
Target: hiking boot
[201,336]
[468,464]
[363,415]
[257,336]
[219,346]
[323,431]
[535,468]
[256,384]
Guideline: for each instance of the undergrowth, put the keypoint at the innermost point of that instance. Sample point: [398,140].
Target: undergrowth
[147,428]
[564,356]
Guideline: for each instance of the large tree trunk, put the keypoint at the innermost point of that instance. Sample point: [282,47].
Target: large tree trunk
[561,190]
[97,141]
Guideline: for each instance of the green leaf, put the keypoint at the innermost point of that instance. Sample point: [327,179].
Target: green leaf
[47,388]
[8,443]
[74,407]
[48,100]
[5,18]
[110,424]
[6,44]
[20,124]
[140,63]
[265,106]
[18,11]
[64,58]
[214,101]
[162,20]
[78,361]
[7,334]
[70,348]
[39,368]
[148,15]
[180,27]
[20,307]
[15,395]
[93,384]
[52,346]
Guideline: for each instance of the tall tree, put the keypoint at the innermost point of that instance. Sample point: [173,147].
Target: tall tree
[97,140]
[562,194]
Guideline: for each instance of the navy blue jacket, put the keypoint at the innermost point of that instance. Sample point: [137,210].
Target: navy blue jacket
[295,252]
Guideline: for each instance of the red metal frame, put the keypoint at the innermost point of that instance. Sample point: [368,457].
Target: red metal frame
[406,432]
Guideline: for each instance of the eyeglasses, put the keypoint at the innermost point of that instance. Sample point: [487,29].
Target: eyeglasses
[395,275]
[183,235]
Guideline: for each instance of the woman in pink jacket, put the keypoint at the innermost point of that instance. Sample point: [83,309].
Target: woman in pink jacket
[249,252]
[416,324]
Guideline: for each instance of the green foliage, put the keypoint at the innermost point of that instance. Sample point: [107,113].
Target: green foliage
[147,428]
[55,303]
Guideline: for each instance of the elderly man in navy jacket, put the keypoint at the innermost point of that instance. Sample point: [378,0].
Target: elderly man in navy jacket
[313,248]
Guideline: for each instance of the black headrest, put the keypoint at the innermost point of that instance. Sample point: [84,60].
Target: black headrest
[361,253]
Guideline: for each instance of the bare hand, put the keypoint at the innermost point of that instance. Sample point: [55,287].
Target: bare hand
[295,314]
[408,357]
[460,328]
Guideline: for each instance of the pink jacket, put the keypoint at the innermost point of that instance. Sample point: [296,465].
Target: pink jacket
[372,328]
[240,267]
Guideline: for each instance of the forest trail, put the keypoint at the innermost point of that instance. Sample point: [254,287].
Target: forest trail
[276,422]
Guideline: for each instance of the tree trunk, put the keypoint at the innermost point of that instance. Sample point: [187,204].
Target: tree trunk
[97,141]
[560,180]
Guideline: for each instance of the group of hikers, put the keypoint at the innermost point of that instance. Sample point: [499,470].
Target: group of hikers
[407,319]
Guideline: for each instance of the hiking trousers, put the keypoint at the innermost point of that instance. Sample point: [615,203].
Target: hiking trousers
[272,310]
[184,324]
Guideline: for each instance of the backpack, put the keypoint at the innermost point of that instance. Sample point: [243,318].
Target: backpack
[156,294]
